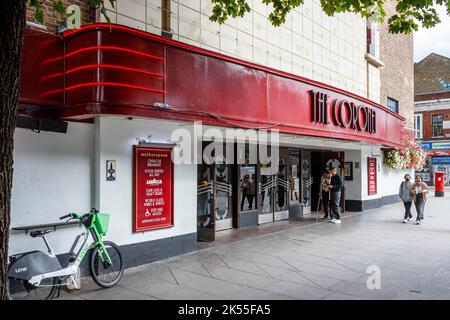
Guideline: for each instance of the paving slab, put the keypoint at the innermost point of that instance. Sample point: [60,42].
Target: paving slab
[290,260]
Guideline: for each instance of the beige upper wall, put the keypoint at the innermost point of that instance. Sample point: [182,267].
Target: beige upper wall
[309,44]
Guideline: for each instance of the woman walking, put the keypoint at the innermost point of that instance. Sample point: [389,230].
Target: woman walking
[419,193]
[405,195]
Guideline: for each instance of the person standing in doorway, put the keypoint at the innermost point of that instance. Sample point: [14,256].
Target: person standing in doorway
[419,193]
[405,195]
[335,187]
[325,181]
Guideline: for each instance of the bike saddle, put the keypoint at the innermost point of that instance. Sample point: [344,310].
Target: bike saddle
[39,233]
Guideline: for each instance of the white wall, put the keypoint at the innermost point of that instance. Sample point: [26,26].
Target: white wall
[116,137]
[353,189]
[53,175]
[310,44]
[56,173]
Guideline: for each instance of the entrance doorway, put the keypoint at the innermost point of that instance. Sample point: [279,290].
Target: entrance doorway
[322,160]
[273,191]
[214,200]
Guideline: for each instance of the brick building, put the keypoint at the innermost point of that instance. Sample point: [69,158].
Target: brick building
[432,112]
[397,75]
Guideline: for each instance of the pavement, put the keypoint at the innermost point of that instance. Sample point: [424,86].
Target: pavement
[371,255]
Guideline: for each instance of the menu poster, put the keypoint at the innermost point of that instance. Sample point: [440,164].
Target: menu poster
[372,176]
[153,188]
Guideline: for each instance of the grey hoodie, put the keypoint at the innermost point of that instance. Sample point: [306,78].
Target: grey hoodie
[405,191]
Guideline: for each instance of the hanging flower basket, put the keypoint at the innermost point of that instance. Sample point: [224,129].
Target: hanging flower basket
[410,157]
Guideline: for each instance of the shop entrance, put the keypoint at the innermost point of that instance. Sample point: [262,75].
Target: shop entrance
[214,200]
[322,160]
[273,191]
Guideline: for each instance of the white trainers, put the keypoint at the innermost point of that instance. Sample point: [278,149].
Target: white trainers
[405,220]
[338,221]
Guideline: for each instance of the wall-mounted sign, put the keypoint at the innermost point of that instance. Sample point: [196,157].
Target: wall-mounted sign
[372,176]
[440,145]
[111,170]
[440,160]
[153,188]
[341,112]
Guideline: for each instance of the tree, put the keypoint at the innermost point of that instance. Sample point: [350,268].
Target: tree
[410,13]
[12,25]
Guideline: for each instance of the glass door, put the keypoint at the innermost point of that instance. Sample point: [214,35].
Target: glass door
[266,189]
[223,187]
[274,191]
[306,182]
[282,185]
[205,203]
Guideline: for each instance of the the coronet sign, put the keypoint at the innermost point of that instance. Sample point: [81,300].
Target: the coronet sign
[341,113]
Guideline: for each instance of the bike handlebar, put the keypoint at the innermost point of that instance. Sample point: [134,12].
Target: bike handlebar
[70,215]
[77,216]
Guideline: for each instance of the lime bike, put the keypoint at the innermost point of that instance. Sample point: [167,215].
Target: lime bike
[38,275]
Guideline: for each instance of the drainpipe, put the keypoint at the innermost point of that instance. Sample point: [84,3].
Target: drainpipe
[166,30]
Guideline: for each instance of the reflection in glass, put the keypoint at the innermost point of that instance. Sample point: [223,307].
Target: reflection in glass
[247,182]
[223,189]
[266,193]
[282,184]
[294,184]
[204,188]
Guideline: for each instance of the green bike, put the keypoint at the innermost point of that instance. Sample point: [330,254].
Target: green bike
[39,275]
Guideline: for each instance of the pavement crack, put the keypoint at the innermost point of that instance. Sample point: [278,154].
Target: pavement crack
[299,272]
[174,278]
[341,264]
[222,261]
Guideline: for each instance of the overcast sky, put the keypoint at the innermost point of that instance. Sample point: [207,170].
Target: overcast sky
[435,40]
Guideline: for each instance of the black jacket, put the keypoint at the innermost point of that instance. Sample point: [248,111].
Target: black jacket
[336,182]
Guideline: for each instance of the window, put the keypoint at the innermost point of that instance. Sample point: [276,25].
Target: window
[373,39]
[392,104]
[418,126]
[436,124]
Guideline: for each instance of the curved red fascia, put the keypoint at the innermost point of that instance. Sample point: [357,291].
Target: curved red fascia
[105,26]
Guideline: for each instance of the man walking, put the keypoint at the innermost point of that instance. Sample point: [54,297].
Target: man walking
[335,189]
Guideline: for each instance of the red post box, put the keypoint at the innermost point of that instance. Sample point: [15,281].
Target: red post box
[439,178]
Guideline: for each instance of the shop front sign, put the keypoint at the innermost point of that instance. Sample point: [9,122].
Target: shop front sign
[440,160]
[341,113]
[153,188]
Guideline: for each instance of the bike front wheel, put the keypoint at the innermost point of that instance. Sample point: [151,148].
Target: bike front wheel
[22,290]
[106,274]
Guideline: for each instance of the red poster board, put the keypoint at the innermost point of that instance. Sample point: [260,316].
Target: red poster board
[153,188]
[372,176]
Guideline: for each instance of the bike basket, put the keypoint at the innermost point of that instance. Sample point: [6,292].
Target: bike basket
[101,223]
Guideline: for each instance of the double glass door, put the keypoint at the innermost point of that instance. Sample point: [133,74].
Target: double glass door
[214,200]
[273,192]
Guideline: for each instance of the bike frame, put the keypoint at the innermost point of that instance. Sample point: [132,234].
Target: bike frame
[72,268]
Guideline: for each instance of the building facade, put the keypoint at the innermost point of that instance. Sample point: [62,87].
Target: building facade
[432,113]
[107,104]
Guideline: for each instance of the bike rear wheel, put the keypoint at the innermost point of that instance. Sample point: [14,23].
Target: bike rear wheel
[104,274]
[22,290]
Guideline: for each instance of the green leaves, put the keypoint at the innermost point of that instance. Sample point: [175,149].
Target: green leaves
[58,6]
[410,13]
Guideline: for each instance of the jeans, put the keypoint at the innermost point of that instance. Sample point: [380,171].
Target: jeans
[408,213]
[335,201]
[326,202]
[420,205]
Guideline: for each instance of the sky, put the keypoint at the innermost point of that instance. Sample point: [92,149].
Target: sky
[435,40]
